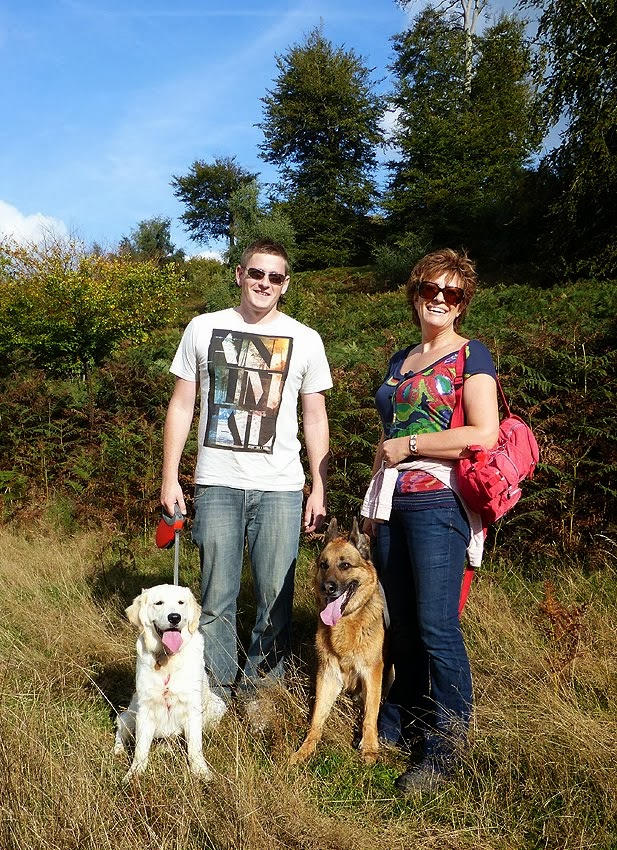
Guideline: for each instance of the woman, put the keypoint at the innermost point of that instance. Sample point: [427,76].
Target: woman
[423,544]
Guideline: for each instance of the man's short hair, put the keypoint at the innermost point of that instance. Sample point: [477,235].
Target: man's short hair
[264,246]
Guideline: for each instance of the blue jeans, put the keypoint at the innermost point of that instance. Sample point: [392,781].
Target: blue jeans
[270,522]
[421,558]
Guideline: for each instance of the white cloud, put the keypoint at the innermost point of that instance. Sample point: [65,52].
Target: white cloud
[389,122]
[207,255]
[29,228]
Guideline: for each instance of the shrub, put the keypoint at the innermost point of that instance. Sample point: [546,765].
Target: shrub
[70,310]
[393,262]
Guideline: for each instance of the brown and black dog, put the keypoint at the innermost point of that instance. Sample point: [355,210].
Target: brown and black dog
[350,636]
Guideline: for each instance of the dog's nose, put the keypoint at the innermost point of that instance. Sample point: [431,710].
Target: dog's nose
[329,587]
[174,619]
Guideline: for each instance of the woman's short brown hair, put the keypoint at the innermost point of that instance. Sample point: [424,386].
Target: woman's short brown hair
[456,266]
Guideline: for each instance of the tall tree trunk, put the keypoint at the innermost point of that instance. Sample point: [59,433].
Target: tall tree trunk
[471,12]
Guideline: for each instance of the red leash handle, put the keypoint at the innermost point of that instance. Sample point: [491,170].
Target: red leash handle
[169,525]
[467,579]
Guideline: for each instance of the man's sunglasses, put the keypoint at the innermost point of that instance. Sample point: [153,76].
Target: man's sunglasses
[276,278]
[452,295]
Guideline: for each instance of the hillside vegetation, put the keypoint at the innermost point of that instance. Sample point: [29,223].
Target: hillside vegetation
[80,465]
[539,771]
[92,449]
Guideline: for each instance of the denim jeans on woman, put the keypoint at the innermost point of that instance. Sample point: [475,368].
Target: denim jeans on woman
[270,523]
[421,558]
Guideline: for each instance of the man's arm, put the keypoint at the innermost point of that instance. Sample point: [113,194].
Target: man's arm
[177,426]
[317,440]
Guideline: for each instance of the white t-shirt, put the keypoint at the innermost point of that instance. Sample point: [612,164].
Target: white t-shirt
[250,377]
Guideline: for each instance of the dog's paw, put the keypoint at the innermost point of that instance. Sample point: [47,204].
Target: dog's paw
[201,769]
[131,773]
[369,756]
[305,752]
[136,769]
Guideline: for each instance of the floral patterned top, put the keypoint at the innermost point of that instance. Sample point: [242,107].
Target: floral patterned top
[422,402]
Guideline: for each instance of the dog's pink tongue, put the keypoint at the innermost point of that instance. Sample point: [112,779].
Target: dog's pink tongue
[172,641]
[333,611]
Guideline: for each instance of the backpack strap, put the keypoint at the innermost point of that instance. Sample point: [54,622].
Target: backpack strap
[458,414]
[458,419]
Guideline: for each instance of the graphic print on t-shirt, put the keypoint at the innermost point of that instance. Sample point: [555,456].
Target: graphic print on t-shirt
[247,376]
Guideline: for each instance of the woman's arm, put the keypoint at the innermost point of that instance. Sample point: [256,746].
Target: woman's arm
[378,454]
[481,428]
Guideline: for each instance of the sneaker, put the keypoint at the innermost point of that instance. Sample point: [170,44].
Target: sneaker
[260,714]
[427,776]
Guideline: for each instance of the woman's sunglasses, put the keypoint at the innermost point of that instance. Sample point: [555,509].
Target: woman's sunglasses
[276,278]
[452,295]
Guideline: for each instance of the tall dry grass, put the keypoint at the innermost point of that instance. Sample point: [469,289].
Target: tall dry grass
[539,771]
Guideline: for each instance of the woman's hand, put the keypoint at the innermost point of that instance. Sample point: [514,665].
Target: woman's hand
[395,450]
[369,526]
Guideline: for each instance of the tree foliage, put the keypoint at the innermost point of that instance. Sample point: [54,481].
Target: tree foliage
[206,191]
[151,240]
[321,129]
[463,143]
[556,366]
[69,310]
[470,11]
[254,222]
[580,42]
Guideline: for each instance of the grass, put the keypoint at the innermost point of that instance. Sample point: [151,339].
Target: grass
[539,771]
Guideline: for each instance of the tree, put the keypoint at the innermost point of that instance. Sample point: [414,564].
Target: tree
[463,144]
[321,129]
[206,191]
[70,309]
[255,222]
[470,14]
[580,41]
[151,240]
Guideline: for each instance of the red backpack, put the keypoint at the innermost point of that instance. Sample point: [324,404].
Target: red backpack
[489,479]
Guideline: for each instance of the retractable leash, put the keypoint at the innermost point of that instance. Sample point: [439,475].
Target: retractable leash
[168,535]
[467,579]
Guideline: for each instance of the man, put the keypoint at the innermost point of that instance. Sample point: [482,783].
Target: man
[250,362]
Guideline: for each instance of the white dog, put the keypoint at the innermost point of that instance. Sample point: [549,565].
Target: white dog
[172,695]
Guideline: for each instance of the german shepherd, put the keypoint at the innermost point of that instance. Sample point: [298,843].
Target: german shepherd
[350,636]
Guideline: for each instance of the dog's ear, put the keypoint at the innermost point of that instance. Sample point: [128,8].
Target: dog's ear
[195,614]
[134,611]
[360,540]
[137,614]
[333,531]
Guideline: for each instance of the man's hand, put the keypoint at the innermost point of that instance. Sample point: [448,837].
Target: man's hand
[314,513]
[172,495]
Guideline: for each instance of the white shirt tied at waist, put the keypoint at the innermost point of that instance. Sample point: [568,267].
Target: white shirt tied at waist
[377,503]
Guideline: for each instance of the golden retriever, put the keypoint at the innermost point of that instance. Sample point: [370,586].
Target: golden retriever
[172,694]
[350,636]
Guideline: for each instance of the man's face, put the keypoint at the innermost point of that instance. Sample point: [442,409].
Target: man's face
[262,296]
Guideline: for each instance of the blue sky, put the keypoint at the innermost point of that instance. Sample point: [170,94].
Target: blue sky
[102,101]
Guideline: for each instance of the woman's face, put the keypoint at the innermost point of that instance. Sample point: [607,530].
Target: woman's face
[438,303]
